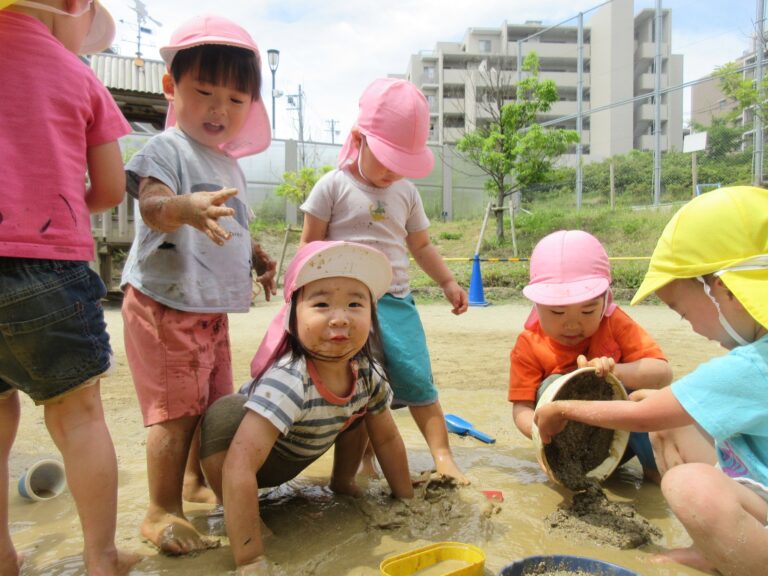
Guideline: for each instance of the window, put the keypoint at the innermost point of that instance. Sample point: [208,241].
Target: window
[484,46]
[429,74]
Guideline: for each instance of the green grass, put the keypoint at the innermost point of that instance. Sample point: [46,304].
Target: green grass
[623,232]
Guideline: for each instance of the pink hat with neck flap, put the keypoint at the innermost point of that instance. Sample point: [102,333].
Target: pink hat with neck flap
[255,136]
[315,261]
[394,118]
[568,267]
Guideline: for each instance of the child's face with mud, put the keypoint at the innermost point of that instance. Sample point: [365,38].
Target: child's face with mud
[569,325]
[333,318]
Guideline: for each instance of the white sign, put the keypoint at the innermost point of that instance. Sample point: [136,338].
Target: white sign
[695,142]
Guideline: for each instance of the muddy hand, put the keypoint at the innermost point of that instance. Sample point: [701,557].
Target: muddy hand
[602,365]
[207,209]
[266,269]
[549,421]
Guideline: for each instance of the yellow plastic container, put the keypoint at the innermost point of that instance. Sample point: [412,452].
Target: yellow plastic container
[409,563]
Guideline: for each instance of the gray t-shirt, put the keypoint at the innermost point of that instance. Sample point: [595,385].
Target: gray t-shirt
[184,269]
[377,217]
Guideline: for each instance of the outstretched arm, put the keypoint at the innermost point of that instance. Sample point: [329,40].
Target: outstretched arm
[390,451]
[429,260]
[657,411]
[247,453]
[165,211]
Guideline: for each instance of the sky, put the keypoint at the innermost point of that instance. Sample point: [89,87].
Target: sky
[334,48]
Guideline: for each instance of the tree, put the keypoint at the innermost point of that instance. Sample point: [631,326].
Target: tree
[512,149]
[296,186]
[748,93]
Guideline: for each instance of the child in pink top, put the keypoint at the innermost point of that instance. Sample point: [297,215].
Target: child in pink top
[58,121]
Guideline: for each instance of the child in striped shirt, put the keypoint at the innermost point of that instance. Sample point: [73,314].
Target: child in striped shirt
[323,382]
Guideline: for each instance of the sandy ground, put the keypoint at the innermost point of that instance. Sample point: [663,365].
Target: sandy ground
[319,534]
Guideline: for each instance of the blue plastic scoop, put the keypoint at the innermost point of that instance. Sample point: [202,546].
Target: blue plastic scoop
[461,427]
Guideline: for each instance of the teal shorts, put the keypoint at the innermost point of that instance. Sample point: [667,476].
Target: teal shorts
[406,356]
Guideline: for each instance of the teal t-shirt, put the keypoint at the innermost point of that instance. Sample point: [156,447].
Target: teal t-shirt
[728,398]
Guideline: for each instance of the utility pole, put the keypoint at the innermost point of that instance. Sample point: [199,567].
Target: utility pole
[334,132]
[141,28]
[296,102]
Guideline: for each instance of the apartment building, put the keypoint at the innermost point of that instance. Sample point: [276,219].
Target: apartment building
[618,58]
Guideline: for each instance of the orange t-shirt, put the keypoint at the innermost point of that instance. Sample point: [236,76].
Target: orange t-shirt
[536,355]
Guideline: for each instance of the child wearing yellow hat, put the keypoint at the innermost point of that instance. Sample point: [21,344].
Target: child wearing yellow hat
[711,267]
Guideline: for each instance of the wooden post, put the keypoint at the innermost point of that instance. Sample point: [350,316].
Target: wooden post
[512,228]
[694,174]
[288,231]
[482,229]
[613,185]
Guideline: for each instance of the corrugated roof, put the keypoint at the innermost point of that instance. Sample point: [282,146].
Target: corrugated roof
[121,73]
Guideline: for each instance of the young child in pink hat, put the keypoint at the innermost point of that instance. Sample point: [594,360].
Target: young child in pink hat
[368,200]
[322,384]
[58,121]
[575,323]
[191,262]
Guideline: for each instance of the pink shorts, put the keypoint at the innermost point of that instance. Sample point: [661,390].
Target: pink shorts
[180,361]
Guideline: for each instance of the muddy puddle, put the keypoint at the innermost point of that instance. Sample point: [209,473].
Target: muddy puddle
[318,534]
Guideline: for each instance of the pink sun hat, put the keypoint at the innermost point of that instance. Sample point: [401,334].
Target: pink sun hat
[568,267]
[315,261]
[255,135]
[101,33]
[394,118]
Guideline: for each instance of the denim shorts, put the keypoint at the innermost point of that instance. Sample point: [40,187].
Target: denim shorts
[53,337]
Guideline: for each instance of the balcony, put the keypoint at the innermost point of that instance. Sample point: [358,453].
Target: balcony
[647,82]
[453,106]
[647,50]
[564,79]
[648,112]
[454,76]
[648,142]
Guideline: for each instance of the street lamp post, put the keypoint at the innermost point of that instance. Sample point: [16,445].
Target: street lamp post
[273,57]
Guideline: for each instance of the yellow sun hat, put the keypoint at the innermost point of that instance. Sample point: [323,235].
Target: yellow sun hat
[725,232]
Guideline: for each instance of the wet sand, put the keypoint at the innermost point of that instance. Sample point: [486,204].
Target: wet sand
[319,534]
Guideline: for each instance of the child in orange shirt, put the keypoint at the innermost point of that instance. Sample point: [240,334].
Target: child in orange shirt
[575,323]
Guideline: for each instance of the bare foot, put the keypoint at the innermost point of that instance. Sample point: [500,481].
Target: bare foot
[346,487]
[447,467]
[199,493]
[368,467]
[175,536]
[688,556]
[126,561]
[112,563]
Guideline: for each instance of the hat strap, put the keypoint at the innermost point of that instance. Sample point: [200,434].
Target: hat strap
[53,9]
[723,320]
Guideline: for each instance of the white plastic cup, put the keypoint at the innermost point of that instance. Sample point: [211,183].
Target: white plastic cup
[44,480]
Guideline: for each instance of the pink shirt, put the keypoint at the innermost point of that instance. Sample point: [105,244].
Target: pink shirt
[53,108]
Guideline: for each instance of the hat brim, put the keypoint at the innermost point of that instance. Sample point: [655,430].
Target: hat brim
[348,260]
[566,293]
[650,284]
[101,33]
[167,53]
[418,165]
